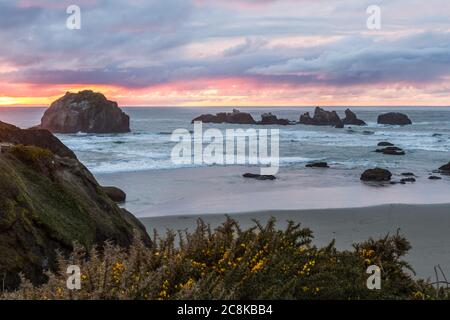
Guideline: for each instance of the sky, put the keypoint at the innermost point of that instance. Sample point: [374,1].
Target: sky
[227,52]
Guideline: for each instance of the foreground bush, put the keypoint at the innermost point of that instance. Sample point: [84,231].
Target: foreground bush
[229,263]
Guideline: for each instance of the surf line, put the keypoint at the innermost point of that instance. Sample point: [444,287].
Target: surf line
[235,147]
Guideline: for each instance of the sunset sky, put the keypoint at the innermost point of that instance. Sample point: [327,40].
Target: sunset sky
[227,52]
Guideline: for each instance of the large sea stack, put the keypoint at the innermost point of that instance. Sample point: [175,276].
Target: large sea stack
[85,111]
[48,201]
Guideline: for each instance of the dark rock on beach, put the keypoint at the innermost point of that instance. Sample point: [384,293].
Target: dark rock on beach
[352,119]
[376,174]
[445,168]
[115,194]
[434,178]
[408,174]
[235,117]
[48,201]
[258,176]
[404,180]
[85,111]
[394,118]
[321,117]
[317,165]
[385,144]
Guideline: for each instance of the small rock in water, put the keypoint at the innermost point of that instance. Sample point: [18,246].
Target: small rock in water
[434,178]
[259,176]
[407,180]
[394,151]
[317,165]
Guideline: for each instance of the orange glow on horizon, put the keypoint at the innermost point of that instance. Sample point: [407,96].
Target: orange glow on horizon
[232,92]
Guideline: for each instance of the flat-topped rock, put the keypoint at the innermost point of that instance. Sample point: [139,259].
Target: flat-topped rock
[85,111]
[258,176]
[319,164]
[235,117]
[385,144]
[394,118]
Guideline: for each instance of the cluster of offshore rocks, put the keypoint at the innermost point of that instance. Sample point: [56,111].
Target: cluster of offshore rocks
[320,117]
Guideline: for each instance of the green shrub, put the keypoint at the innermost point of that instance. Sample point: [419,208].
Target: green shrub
[229,263]
[31,154]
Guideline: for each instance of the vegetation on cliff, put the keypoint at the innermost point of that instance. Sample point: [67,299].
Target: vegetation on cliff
[49,201]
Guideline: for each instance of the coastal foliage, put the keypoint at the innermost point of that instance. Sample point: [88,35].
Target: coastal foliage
[262,262]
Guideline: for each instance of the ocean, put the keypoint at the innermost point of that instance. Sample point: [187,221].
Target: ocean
[149,145]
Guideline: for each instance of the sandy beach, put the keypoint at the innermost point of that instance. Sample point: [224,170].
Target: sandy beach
[425,226]
[216,190]
[330,202]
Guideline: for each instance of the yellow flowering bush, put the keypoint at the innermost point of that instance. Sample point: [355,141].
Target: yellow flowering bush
[262,262]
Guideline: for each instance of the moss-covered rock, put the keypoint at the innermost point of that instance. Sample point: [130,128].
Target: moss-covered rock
[48,202]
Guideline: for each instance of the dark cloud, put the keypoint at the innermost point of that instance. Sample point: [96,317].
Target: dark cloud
[141,43]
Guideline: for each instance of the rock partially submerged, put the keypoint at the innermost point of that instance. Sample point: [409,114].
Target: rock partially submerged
[321,117]
[394,118]
[85,111]
[258,176]
[235,117]
[352,119]
[271,119]
[434,178]
[376,174]
[394,151]
[238,117]
[317,165]
[115,194]
[48,201]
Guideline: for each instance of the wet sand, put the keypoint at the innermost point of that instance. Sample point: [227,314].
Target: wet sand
[223,190]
